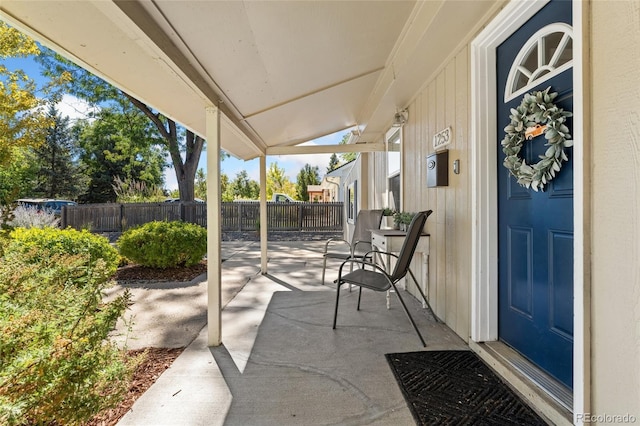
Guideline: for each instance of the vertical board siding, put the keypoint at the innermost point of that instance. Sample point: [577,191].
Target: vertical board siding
[380,175]
[441,205]
[355,174]
[450,197]
[463,196]
[430,126]
[444,102]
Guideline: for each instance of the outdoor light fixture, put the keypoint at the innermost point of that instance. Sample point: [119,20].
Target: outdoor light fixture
[400,118]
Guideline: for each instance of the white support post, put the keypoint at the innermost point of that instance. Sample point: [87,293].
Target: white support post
[263,214]
[214,205]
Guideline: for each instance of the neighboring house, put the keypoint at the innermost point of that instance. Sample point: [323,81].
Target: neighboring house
[543,285]
[317,194]
[332,182]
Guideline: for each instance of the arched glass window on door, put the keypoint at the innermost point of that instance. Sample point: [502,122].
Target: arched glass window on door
[546,54]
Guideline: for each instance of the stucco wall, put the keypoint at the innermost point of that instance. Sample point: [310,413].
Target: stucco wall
[615,145]
[443,102]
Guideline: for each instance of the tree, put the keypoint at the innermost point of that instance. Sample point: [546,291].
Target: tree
[57,175]
[347,156]
[334,163]
[22,121]
[119,144]
[307,176]
[278,182]
[133,191]
[17,177]
[192,145]
[243,188]
[183,146]
[225,188]
[200,188]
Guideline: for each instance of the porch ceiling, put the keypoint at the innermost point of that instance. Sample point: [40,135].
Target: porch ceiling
[282,72]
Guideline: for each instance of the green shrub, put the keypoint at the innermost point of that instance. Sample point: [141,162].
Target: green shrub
[56,365]
[164,244]
[49,242]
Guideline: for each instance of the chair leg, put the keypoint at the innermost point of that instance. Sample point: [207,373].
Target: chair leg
[378,258]
[324,267]
[415,327]
[359,296]
[433,314]
[335,314]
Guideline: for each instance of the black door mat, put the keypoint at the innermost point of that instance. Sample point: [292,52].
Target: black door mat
[457,388]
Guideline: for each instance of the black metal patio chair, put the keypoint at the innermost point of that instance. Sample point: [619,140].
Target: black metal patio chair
[360,243]
[378,279]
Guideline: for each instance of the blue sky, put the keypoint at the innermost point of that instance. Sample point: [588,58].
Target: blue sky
[290,163]
[76,108]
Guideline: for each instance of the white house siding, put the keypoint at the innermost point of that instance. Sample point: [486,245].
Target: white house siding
[443,102]
[615,171]
[378,177]
[612,192]
[358,172]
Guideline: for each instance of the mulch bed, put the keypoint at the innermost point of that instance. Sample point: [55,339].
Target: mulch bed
[134,272]
[156,362]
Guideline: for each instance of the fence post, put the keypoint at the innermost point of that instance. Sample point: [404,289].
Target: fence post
[63,217]
[239,216]
[182,208]
[122,219]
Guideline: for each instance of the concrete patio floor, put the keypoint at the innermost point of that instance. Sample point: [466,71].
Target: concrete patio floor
[281,363]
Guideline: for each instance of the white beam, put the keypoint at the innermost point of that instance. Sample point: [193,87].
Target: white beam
[325,149]
[214,205]
[582,126]
[263,214]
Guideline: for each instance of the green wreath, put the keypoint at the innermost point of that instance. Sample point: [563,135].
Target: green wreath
[536,114]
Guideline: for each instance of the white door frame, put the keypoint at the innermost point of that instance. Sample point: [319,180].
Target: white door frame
[484,268]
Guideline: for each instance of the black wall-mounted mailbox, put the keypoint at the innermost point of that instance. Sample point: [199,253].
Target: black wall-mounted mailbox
[437,169]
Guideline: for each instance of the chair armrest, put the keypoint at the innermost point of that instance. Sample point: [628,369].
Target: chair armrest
[336,240]
[362,264]
[380,252]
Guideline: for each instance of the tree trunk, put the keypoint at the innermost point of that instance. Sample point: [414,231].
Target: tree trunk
[185,170]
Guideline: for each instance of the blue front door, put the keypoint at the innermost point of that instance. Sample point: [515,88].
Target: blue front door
[535,229]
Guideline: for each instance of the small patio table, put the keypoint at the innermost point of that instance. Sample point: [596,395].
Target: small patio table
[390,241]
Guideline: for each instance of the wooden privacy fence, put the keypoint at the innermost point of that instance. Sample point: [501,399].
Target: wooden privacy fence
[245,216]
[235,216]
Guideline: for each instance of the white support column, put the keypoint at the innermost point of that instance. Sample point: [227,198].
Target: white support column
[263,214]
[214,264]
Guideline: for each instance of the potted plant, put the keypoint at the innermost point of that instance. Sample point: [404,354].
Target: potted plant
[403,219]
[397,220]
[388,218]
